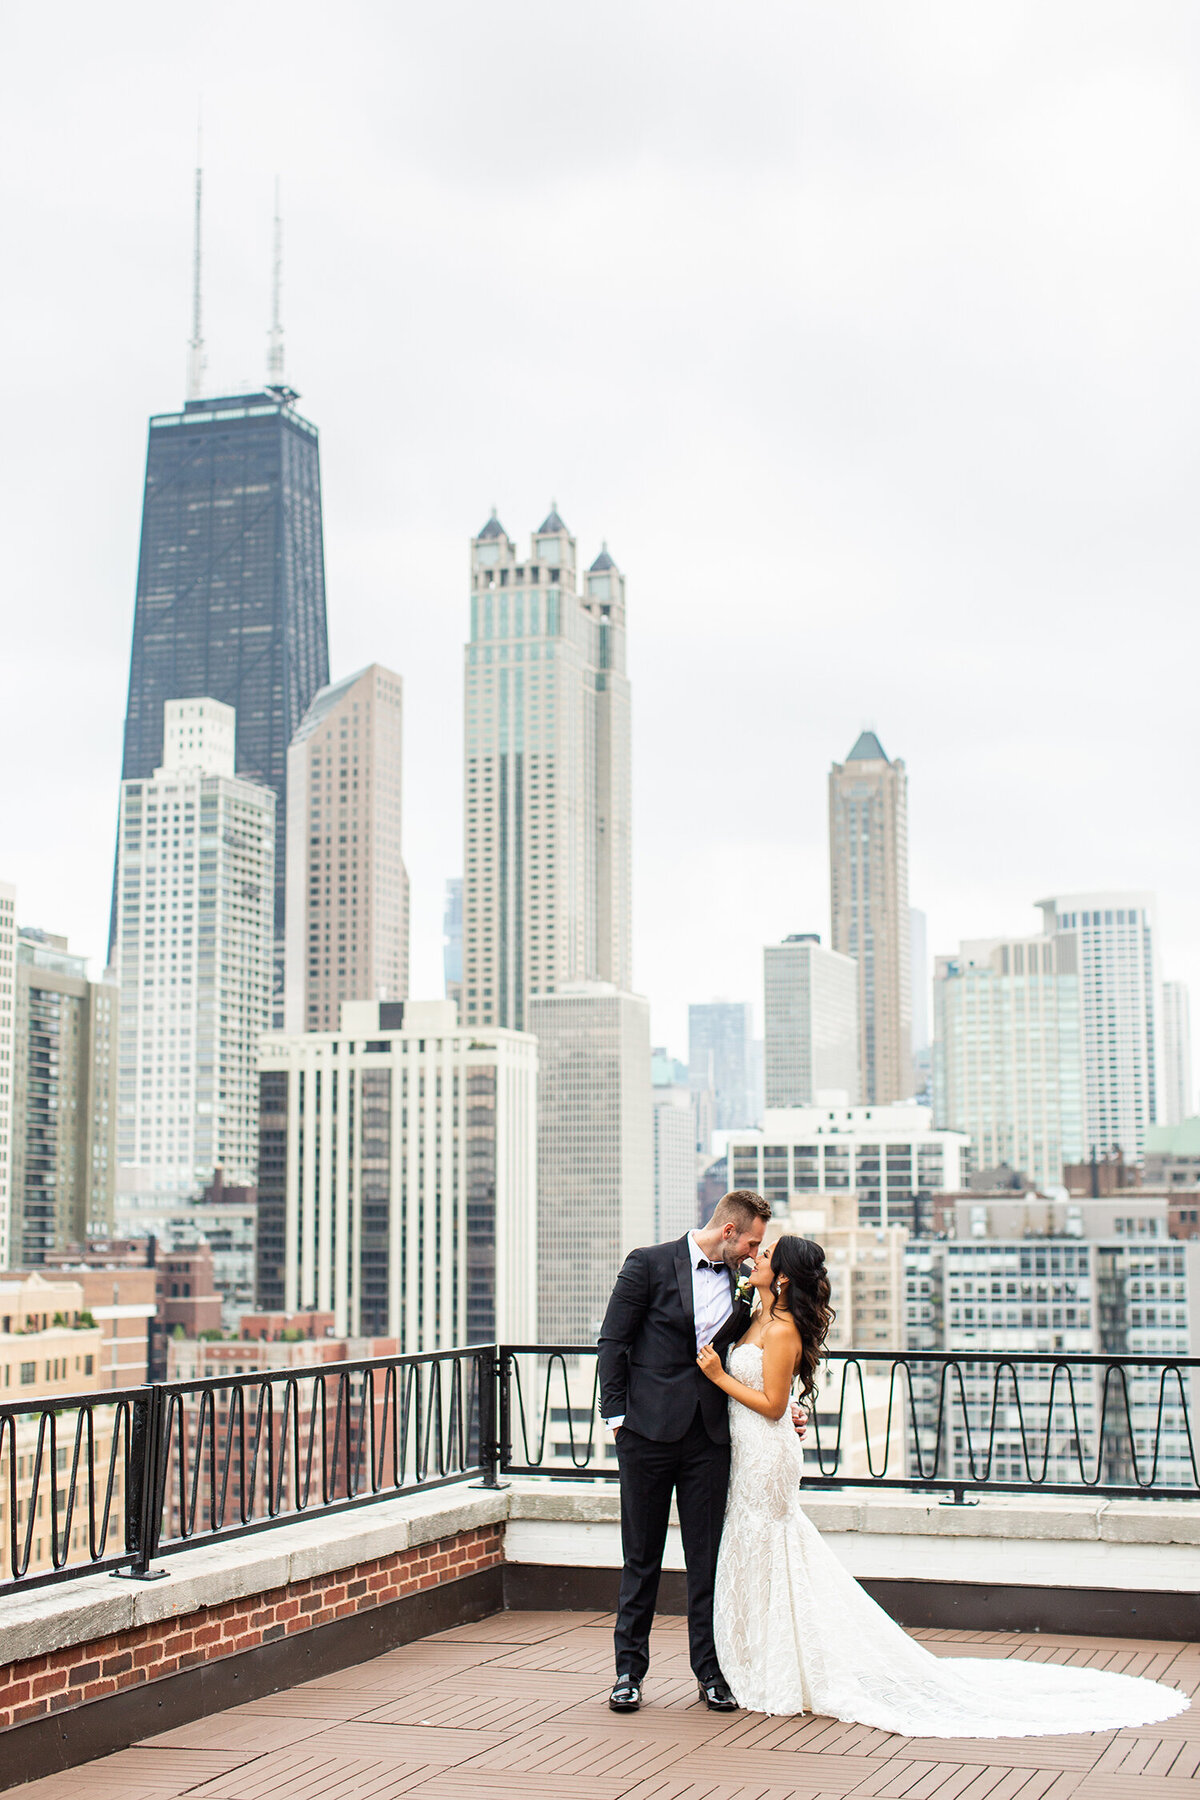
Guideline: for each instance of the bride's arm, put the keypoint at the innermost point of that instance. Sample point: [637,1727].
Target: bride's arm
[779,1364]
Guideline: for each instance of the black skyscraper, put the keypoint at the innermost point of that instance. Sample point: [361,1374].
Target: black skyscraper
[231,584]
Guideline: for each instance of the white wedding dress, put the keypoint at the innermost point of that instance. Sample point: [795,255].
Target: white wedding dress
[795,1632]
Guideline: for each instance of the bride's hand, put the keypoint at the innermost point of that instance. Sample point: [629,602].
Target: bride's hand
[710,1364]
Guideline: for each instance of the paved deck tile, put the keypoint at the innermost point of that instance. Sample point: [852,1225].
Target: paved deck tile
[513,1708]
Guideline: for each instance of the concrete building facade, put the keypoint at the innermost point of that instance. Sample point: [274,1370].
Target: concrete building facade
[64,1100]
[8,1002]
[595,1151]
[1008,1052]
[720,1060]
[810,1012]
[675,1162]
[1178,1094]
[193,956]
[1119,997]
[869,913]
[547,881]
[398,1176]
[347,887]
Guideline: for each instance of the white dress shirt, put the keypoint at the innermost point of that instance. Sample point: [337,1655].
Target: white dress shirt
[711,1303]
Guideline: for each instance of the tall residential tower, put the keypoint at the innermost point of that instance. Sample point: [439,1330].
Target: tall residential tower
[546,894]
[869,912]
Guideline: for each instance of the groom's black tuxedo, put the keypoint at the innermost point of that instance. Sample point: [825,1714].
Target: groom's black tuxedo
[675,1440]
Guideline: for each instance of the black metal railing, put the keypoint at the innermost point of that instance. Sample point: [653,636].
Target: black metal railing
[953,1423]
[113,1480]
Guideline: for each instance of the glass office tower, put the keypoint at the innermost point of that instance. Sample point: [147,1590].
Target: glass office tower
[231,587]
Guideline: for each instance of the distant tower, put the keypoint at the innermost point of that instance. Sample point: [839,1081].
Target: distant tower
[1178,1098]
[546,896]
[869,912]
[231,583]
[810,1010]
[347,887]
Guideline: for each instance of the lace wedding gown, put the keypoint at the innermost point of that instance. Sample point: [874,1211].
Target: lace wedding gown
[795,1632]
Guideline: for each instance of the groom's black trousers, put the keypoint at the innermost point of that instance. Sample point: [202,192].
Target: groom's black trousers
[697,1471]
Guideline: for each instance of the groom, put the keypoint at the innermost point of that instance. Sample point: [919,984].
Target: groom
[672,1426]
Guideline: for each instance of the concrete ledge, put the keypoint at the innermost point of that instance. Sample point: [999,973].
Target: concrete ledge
[98,1606]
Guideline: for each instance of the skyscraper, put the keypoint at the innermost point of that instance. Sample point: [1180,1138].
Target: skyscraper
[595,1150]
[347,886]
[1118,985]
[452,942]
[231,588]
[195,881]
[811,1014]
[398,1185]
[869,912]
[8,960]
[64,1100]
[719,1053]
[1008,1053]
[546,893]
[1178,1095]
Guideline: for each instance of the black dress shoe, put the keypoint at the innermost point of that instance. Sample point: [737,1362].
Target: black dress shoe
[626,1695]
[717,1697]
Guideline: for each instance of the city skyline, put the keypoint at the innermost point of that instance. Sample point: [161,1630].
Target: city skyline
[890,526]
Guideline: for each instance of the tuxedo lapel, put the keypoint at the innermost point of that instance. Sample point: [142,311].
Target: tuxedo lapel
[683,1273]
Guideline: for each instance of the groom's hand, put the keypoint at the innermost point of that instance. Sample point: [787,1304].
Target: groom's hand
[798,1419]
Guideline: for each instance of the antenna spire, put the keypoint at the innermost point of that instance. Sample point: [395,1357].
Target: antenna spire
[195,374]
[275,335]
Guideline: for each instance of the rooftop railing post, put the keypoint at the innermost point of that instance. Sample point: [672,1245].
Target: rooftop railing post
[144,1498]
[492,1375]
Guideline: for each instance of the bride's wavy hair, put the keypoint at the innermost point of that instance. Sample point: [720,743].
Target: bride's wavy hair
[806,1297]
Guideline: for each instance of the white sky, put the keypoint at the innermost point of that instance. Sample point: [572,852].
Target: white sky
[865,333]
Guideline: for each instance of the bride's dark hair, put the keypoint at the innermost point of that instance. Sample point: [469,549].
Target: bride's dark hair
[806,1297]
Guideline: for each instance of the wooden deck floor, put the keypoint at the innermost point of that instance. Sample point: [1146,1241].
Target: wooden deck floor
[513,1708]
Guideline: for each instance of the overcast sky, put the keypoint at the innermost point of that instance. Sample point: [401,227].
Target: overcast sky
[865,333]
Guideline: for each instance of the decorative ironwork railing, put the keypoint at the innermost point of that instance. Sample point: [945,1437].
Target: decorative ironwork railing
[113,1479]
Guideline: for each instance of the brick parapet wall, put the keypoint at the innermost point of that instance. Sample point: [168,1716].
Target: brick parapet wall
[77,1673]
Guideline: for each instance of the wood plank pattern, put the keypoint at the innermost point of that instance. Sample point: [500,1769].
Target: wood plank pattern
[513,1708]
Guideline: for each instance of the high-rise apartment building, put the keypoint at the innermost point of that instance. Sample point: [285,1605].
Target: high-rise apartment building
[64,1100]
[675,1161]
[1008,1052]
[193,956]
[398,1176]
[347,886]
[8,983]
[1178,1094]
[1118,988]
[231,589]
[892,1158]
[452,942]
[720,1052]
[595,1151]
[546,893]
[869,911]
[810,1009]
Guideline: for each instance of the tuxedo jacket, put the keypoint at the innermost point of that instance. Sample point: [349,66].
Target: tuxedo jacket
[648,1348]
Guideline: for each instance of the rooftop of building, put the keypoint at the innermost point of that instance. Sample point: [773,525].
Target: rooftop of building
[1174,1140]
[867,748]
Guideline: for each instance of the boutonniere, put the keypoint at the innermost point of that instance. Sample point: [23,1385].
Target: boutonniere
[742,1290]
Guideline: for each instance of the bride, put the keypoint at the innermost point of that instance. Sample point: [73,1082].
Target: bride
[794,1632]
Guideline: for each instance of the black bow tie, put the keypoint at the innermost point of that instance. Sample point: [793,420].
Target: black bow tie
[719,1267]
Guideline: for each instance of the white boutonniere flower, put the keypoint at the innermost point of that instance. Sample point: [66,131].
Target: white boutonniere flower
[743,1290]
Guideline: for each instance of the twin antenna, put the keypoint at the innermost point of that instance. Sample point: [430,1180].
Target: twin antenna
[196,357]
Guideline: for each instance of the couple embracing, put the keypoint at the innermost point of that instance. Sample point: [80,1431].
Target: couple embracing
[700,1348]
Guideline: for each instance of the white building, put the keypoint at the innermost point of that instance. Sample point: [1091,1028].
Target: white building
[347,886]
[810,1009]
[675,1160]
[398,1177]
[1118,985]
[889,1156]
[595,1151]
[546,889]
[1007,1064]
[1178,1094]
[8,985]
[193,957]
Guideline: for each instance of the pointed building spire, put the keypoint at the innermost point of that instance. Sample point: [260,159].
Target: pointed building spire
[195,371]
[275,336]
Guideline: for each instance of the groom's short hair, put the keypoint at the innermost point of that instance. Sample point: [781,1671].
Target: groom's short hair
[740,1207]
